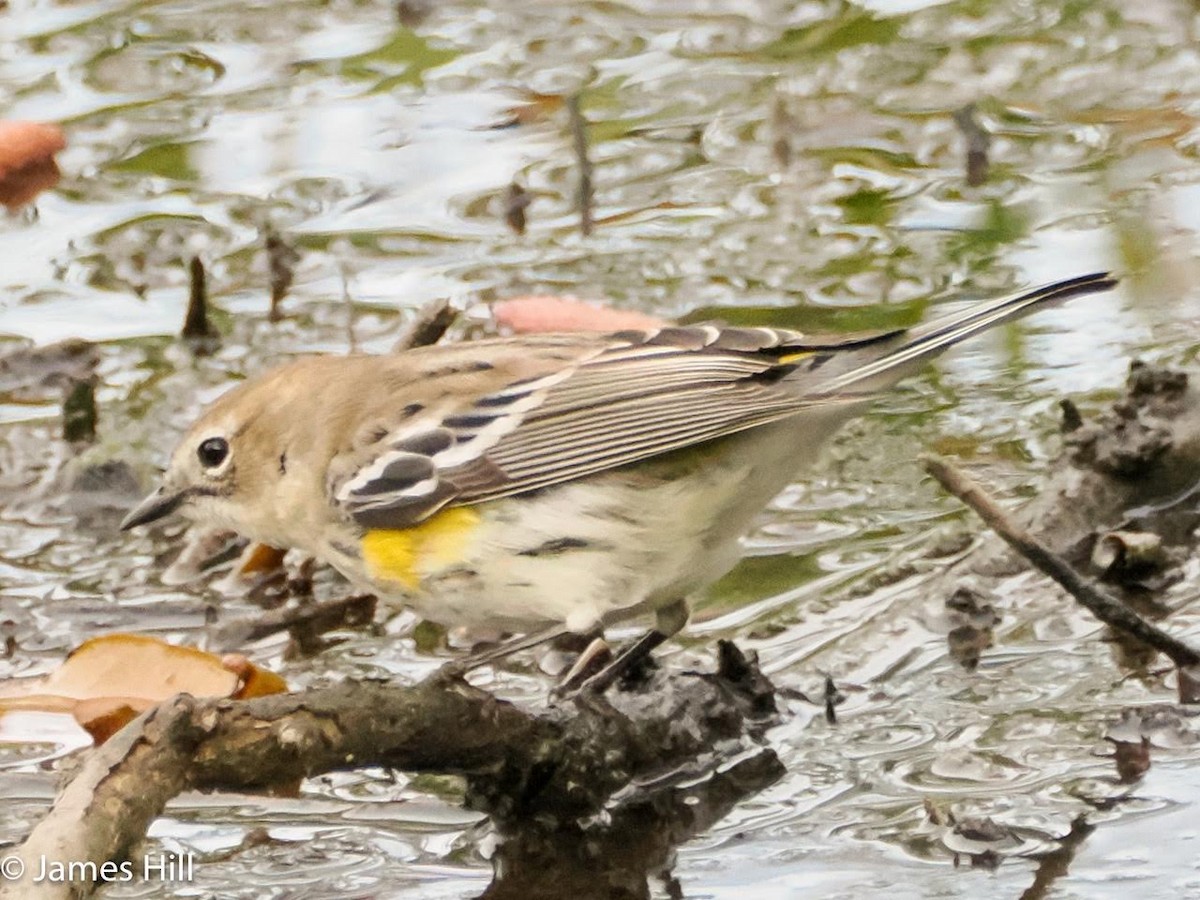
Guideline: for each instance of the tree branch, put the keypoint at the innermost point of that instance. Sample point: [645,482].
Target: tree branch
[524,769]
[1102,605]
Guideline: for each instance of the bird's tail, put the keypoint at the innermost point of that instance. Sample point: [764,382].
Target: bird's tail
[918,344]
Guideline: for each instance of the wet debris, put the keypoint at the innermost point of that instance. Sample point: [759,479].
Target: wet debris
[411,13]
[98,494]
[204,550]
[972,626]
[740,670]
[783,128]
[534,108]
[516,201]
[1132,759]
[281,264]
[1139,729]
[979,143]
[106,681]
[1128,556]
[1139,454]
[1129,438]
[982,841]
[8,634]
[579,136]
[79,415]
[29,373]
[259,559]
[1072,419]
[198,332]
[305,623]
[1165,726]
[1189,684]
[1106,607]
[833,698]
[1057,862]
[260,575]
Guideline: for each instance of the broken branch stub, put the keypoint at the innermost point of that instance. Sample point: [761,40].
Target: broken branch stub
[539,775]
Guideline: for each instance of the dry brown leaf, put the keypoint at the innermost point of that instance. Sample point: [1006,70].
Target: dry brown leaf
[252,681]
[108,680]
[260,558]
[102,717]
[536,107]
[27,160]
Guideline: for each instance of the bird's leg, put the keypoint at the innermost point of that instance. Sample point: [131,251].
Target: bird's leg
[460,667]
[594,656]
[669,621]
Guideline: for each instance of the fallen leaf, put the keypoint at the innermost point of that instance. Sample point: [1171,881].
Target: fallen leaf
[102,717]
[252,681]
[27,164]
[541,313]
[534,108]
[109,680]
[260,558]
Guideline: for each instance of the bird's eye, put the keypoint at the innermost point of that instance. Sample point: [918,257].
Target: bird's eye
[212,452]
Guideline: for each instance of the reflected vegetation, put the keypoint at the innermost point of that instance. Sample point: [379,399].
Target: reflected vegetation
[760,162]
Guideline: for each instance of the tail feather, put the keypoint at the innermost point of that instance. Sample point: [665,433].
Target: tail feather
[924,341]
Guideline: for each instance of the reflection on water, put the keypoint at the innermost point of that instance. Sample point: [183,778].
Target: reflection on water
[796,162]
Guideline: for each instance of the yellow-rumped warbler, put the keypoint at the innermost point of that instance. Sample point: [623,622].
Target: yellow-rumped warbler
[542,483]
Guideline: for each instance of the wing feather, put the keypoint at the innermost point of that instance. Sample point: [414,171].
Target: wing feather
[645,394]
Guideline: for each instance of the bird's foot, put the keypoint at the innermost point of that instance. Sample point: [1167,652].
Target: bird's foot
[625,662]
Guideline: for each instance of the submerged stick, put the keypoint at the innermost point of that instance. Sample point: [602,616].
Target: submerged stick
[79,414]
[579,134]
[1102,605]
[978,144]
[197,330]
[516,201]
[281,262]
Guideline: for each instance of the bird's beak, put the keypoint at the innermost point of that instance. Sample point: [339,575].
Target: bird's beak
[159,504]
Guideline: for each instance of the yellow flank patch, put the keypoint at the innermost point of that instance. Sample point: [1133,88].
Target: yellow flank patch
[406,555]
[789,358]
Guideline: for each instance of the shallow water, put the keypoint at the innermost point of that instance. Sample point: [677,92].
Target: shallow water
[383,153]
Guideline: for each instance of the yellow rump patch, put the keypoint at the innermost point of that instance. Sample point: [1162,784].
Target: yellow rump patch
[789,358]
[406,555]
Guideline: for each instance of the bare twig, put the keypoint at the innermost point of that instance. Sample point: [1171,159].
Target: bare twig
[1056,864]
[197,329]
[351,339]
[281,261]
[306,622]
[411,13]
[783,128]
[579,134]
[516,201]
[79,411]
[1104,606]
[979,142]
[107,807]
[432,321]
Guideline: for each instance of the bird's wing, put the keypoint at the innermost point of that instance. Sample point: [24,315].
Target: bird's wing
[635,395]
[641,395]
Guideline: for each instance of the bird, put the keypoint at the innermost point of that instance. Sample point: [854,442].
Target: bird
[544,484]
